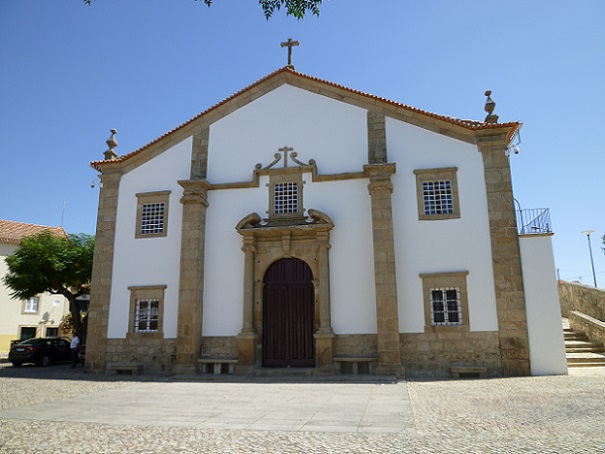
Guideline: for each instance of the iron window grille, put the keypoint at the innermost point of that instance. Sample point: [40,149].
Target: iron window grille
[146,316]
[446,307]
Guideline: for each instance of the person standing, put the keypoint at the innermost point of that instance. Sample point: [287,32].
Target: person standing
[75,348]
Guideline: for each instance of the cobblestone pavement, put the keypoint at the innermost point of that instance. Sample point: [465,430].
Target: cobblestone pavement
[562,414]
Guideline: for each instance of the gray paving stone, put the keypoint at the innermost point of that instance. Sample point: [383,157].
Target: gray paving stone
[54,410]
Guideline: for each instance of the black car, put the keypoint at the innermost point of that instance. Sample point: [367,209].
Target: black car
[41,351]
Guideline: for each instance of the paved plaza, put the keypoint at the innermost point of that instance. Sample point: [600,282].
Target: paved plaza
[60,410]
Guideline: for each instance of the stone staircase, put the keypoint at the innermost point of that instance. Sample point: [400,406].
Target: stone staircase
[581,352]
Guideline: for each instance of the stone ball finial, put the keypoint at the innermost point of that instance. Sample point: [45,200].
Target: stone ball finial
[490,105]
[110,154]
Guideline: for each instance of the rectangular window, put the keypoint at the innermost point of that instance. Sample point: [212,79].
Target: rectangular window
[31,305]
[27,332]
[285,197]
[445,302]
[52,332]
[437,193]
[286,194]
[146,311]
[437,197]
[152,214]
[146,316]
[446,307]
[152,218]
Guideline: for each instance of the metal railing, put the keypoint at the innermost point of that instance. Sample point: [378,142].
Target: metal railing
[534,220]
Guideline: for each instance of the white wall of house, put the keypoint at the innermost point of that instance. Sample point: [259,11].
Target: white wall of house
[149,261]
[13,317]
[440,246]
[545,331]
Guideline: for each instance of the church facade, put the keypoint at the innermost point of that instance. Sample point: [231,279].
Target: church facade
[303,224]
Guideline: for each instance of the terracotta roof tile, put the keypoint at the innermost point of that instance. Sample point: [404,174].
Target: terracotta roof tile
[12,232]
[473,125]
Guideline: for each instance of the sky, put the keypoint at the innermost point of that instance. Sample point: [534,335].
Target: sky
[69,73]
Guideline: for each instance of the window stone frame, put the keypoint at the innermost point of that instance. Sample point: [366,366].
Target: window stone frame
[146,292]
[287,175]
[437,174]
[456,280]
[146,198]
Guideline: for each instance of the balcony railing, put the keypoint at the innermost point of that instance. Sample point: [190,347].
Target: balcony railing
[535,220]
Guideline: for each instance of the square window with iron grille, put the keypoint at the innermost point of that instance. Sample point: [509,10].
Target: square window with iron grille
[445,306]
[437,193]
[152,214]
[438,197]
[285,198]
[146,316]
[152,218]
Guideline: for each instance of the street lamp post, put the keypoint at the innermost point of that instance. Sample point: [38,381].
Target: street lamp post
[587,233]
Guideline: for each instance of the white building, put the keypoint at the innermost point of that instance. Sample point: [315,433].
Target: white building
[300,223]
[39,316]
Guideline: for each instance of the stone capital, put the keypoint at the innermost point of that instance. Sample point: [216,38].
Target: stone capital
[195,191]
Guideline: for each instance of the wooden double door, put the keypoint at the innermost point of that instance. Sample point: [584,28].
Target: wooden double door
[288,315]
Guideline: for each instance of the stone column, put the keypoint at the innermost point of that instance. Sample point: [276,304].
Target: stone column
[102,272]
[506,256]
[380,189]
[247,338]
[191,280]
[324,337]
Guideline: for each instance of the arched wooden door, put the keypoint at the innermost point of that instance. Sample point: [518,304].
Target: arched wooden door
[288,315]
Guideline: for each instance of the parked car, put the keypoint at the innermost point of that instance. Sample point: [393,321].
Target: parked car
[41,351]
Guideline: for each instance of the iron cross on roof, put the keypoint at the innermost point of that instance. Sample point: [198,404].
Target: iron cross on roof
[290,44]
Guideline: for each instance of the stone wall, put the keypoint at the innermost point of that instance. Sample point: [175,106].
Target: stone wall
[431,355]
[156,355]
[219,347]
[362,345]
[594,328]
[581,298]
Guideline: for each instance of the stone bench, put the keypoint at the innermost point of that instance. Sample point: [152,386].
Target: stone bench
[217,365]
[123,368]
[354,364]
[468,371]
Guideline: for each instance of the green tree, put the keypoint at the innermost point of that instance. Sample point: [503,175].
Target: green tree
[48,263]
[296,8]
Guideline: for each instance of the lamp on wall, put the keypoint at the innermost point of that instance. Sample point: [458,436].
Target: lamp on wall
[587,233]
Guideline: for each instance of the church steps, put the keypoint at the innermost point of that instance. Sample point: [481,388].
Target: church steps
[581,352]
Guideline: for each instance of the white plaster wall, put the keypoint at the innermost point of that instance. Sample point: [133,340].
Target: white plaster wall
[331,132]
[352,289]
[149,261]
[224,271]
[351,268]
[335,135]
[440,246]
[546,340]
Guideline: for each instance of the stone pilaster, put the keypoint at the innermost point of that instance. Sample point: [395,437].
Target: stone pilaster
[506,256]
[324,337]
[377,138]
[102,272]
[380,189]
[191,281]
[247,339]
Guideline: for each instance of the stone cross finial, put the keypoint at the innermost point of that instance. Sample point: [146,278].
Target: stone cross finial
[490,105]
[290,44]
[110,154]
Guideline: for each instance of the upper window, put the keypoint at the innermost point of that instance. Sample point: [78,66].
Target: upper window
[445,301]
[285,195]
[437,191]
[146,310]
[31,305]
[152,214]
